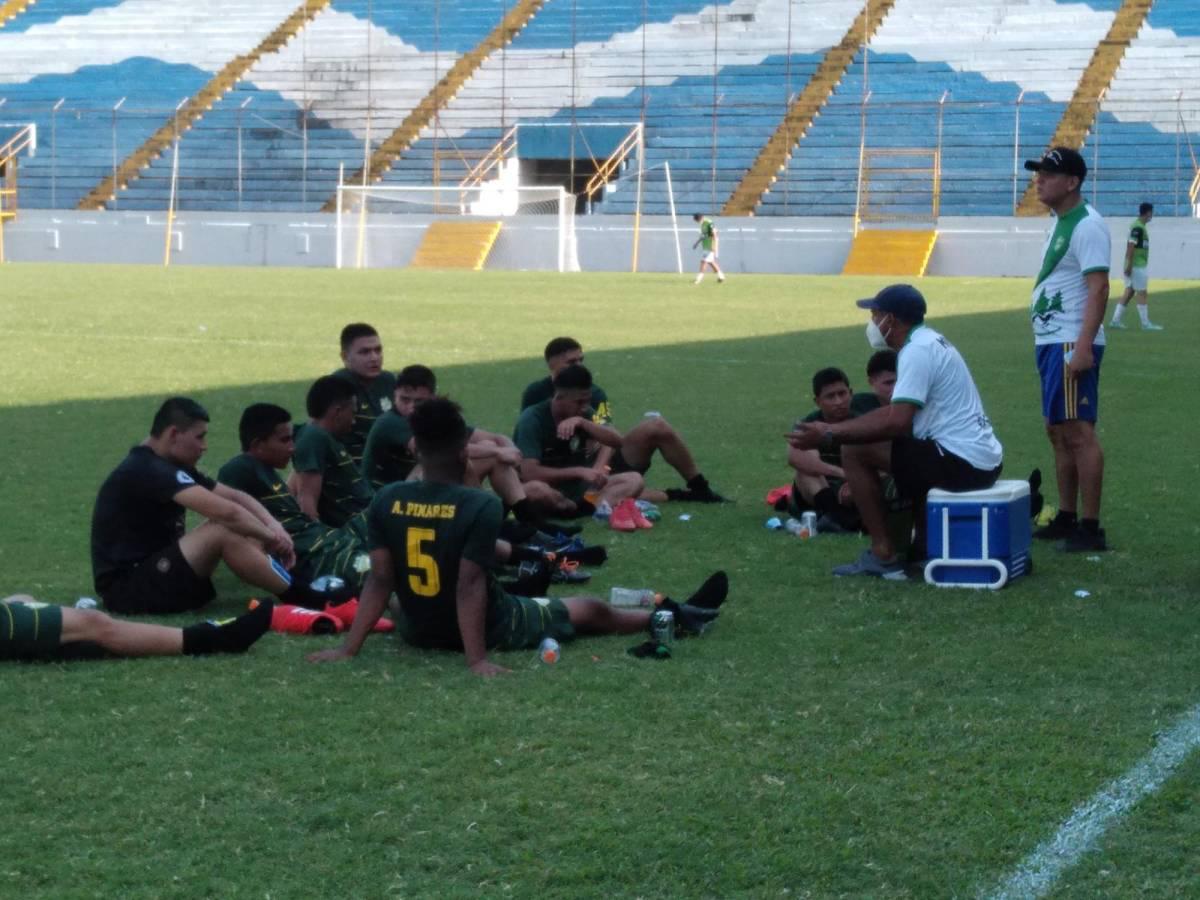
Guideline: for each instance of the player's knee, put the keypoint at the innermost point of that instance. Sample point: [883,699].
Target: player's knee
[91,625]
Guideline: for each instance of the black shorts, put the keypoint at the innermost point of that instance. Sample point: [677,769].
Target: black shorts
[619,464]
[162,583]
[919,465]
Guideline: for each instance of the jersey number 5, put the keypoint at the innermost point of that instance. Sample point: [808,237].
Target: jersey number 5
[423,577]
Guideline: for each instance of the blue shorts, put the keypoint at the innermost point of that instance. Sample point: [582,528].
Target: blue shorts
[1066,396]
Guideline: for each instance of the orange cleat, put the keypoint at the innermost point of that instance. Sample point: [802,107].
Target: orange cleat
[622,517]
[345,612]
[289,619]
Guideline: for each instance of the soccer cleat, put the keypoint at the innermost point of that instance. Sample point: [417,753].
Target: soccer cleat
[348,610]
[635,514]
[603,511]
[622,517]
[777,496]
[649,510]
[568,572]
[712,593]
[1118,325]
[588,556]
[1150,326]
[287,618]
[1059,528]
[690,621]
[873,567]
[1082,541]
[688,495]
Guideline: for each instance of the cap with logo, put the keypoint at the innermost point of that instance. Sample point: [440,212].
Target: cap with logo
[901,300]
[1059,161]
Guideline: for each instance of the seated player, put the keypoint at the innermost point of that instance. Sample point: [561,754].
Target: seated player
[326,481]
[142,559]
[820,483]
[432,542]
[881,375]
[32,630]
[390,454]
[553,438]
[362,357]
[651,435]
[265,431]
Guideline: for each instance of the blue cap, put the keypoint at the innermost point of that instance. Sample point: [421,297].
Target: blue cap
[901,300]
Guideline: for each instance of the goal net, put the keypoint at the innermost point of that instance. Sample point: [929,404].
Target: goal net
[384,225]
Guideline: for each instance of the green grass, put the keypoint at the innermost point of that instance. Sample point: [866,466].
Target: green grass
[828,739]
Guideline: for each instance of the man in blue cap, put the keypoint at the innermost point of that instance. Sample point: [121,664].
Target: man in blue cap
[934,433]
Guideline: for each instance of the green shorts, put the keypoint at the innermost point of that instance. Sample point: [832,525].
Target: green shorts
[29,630]
[520,623]
[342,553]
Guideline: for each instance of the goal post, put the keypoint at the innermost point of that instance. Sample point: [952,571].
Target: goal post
[383,225]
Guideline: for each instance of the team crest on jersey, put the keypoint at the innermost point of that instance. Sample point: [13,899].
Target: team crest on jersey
[385,404]
[163,565]
[1046,307]
[184,478]
[1059,243]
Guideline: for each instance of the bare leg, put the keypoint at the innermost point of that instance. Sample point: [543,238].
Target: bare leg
[506,482]
[657,434]
[808,485]
[118,637]
[620,487]
[545,497]
[1081,444]
[863,463]
[592,616]
[1065,470]
[211,543]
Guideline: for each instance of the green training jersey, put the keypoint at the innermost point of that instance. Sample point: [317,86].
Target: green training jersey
[1078,245]
[707,233]
[429,528]
[371,400]
[344,491]
[1139,239]
[536,436]
[544,390]
[320,550]
[860,404]
[388,455]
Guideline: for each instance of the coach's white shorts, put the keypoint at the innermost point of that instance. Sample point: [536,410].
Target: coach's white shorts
[709,257]
[1139,280]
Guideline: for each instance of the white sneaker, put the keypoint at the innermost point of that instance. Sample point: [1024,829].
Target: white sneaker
[1150,326]
[1115,324]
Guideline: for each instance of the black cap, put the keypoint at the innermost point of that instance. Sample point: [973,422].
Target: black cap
[1059,161]
[901,300]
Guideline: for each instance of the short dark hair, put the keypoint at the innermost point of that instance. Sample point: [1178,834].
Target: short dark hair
[1145,208]
[561,345]
[438,427]
[354,331]
[696,217]
[573,378]
[325,392]
[180,412]
[259,421]
[417,376]
[881,361]
[827,376]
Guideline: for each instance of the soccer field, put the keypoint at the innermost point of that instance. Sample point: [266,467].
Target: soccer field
[826,739]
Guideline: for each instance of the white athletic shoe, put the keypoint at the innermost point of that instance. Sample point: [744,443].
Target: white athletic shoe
[1150,326]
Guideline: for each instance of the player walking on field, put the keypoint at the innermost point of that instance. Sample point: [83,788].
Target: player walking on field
[1067,311]
[709,242]
[1137,261]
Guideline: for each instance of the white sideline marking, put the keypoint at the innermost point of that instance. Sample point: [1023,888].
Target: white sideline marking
[1080,833]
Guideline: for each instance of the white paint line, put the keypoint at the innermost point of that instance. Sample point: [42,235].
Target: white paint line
[1080,833]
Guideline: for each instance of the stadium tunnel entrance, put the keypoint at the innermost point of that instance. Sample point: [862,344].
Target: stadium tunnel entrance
[567,156]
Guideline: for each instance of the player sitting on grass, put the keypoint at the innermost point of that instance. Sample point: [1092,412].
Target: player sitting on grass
[820,483]
[326,481]
[553,438]
[881,375]
[32,630]
[651,435]
[362,356]
[265,431]
[432,542]
[142,559]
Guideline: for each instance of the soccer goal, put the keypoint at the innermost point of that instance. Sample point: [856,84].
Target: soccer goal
[513,227]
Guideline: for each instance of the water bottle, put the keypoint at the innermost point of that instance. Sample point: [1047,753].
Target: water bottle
[794,526]
[86,603]
[549,650]
[327,584]
[635,598]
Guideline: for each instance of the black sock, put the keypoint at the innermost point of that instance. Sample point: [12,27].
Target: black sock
[698,483]
[525,511]
[300,594]
[526,554]
[1091,526]
[826,502]
[1065,517]
[232,637]
[584,508]
[712,593]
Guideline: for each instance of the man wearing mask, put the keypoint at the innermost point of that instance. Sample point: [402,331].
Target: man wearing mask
[934,433]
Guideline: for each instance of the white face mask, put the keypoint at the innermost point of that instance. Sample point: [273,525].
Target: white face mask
[876,338]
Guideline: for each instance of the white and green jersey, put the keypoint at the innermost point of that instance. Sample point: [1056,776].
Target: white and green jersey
[932,375]
[1139,237]
[707,233]
[1079,244]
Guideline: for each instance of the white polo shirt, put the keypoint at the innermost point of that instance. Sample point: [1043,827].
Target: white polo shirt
[932,376]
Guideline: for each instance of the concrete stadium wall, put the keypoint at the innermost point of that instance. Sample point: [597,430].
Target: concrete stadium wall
[966,246]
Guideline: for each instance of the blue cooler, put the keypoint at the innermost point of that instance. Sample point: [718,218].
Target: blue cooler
[978,539]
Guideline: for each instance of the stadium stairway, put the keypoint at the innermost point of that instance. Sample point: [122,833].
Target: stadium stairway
[439,95]
[1081,113]
[456,245]
[10,9]
[804,110]
[198,104]
[890,251]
